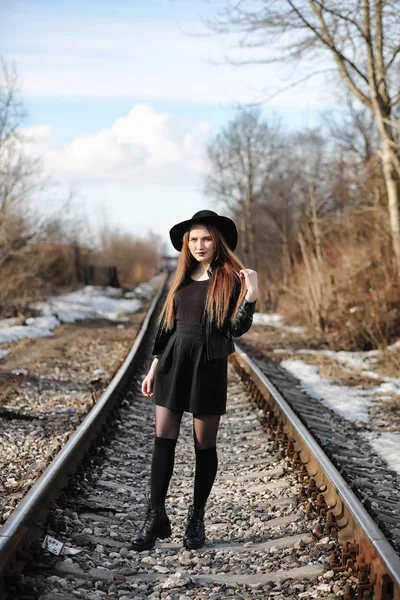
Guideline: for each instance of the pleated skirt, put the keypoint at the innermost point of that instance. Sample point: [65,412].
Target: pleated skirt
[185,380]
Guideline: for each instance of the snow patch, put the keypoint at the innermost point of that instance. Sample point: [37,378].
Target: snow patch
[351,360]
[387,445]
[87,303]
[7,322]
[352,403]
[40,327]
[275,320]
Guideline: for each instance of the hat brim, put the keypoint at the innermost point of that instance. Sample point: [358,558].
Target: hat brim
[225,225]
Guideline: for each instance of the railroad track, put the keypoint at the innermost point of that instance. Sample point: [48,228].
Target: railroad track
[347,446]
[363,546]
[281,522]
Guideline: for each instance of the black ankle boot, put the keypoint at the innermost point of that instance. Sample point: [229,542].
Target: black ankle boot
[195,534]
[156,525]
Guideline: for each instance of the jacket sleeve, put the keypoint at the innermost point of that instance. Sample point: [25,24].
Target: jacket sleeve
[244,318]
[161,340]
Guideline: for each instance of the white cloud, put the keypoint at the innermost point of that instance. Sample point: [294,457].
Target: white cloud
[38,132]
[142,147]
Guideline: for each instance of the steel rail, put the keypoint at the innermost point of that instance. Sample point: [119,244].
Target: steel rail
[25,522]
[373,553]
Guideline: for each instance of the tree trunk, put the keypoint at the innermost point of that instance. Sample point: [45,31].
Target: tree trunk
[390,172]
[392,186]
[249,222]
[377,235]
[286,263]
[313,291]
[77,263]
[243,236]
[250,237]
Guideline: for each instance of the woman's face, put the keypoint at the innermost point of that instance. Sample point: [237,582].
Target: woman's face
[201,244]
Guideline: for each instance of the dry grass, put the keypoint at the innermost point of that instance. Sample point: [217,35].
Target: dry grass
[360,304]
[388,363]
[41,270]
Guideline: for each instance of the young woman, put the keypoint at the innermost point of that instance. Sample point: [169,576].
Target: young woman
[211,299]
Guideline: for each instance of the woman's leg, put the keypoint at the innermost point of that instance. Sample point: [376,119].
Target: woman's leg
[156,524]
[167,430]
[205,430]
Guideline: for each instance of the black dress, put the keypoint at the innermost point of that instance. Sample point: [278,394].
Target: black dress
[184,379]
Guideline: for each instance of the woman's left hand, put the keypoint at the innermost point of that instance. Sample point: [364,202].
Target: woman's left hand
[251,281]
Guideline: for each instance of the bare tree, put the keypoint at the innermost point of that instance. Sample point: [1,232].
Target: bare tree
[360,179]
[25,269]
[242,156]
[12,111]
[355,133]
[20,174]
[276,216]
[136,258]
[362,38]
[314,199]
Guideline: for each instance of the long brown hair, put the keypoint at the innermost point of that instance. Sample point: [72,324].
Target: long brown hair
[224,278]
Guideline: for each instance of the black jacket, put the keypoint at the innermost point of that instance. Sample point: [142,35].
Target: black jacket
[219,342]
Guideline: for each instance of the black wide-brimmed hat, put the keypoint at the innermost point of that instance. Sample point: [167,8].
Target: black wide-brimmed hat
[205,217]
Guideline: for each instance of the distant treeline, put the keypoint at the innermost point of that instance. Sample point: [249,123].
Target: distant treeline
[312,210]
[42,255]
[320,210]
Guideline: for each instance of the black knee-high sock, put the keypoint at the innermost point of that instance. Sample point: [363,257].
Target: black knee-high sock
[206,470]
[162,466]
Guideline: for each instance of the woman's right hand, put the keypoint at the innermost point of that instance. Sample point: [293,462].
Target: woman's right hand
[148,381]
[148,384]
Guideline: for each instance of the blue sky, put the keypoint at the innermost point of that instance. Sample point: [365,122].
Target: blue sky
[123,96]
